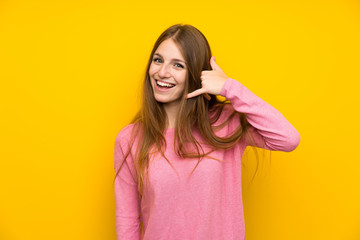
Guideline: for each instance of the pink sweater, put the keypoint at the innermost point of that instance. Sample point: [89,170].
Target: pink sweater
[208,205]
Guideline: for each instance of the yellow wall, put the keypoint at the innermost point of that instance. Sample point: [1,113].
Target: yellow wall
[70,73]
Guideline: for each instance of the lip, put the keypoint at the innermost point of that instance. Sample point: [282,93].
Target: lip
[162,89]
[164,81]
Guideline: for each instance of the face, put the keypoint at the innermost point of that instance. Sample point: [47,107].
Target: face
[168,73]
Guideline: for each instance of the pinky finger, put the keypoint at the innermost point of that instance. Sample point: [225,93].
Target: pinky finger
[196,93]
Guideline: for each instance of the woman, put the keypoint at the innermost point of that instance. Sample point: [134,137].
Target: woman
[178,164]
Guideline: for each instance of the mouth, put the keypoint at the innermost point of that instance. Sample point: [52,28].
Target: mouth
[164,85]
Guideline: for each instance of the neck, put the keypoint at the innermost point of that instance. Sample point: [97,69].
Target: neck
[171,110]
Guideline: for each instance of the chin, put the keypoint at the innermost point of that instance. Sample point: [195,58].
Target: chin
[161,100]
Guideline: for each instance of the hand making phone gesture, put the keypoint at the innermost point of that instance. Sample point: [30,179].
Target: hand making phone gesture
[212,81]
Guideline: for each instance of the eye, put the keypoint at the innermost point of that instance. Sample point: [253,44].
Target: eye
[155,59]
[179,65]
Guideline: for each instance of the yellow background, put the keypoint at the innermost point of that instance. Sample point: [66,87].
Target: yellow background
[70,73]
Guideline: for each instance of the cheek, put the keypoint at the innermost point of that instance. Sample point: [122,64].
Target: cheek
[183,79]
[151,70]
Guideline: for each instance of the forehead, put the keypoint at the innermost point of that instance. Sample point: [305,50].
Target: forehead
[169,50]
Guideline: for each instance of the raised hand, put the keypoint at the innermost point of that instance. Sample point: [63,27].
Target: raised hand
[212,81]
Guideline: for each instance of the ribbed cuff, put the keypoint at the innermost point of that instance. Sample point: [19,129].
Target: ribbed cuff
[226,86]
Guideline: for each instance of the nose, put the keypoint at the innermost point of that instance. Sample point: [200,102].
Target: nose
[163,71]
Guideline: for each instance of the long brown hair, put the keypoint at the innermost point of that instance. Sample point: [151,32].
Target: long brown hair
[197,113]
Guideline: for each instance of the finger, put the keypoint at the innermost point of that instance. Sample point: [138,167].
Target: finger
[206,72]
[196,93]
[214,65]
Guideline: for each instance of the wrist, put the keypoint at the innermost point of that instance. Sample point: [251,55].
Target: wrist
[224,86]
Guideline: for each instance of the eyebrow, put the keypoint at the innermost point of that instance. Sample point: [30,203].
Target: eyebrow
[174,59]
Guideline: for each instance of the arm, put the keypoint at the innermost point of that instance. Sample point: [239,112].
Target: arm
[268,125]
[127,216]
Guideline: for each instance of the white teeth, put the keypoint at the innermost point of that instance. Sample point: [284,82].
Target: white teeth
[164,84]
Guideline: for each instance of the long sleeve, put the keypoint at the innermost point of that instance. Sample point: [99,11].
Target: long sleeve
[127,217]
[268,125]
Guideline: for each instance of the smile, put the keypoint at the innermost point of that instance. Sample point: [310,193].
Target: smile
[162,84]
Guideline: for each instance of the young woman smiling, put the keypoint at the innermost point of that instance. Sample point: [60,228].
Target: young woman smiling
[178,163]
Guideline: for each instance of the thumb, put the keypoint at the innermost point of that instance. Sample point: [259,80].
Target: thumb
[213,64]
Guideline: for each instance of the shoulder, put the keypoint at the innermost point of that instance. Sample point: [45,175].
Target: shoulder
[227,122]
[226,112]
[125,131]
[124,142]
[124,135]
[228,109]
[124,149]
